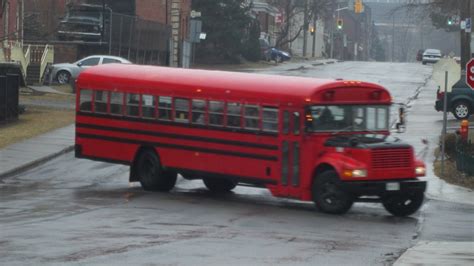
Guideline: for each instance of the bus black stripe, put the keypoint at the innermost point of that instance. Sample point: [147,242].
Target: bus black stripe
[172,123]
[180,147]
[178,136]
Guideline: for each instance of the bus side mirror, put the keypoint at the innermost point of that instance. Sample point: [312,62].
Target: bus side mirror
[401,127]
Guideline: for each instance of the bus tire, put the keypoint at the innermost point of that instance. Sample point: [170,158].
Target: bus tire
[328,195]
[403,204]
[219,185]
[151,175]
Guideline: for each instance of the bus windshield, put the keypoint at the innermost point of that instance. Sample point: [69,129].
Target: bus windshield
[320,118]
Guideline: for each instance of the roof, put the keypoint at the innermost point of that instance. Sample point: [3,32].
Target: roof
[219,84]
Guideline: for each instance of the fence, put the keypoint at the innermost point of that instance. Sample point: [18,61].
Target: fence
[465,157]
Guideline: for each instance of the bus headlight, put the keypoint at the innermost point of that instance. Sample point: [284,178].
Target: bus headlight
[420,170]
[355,173]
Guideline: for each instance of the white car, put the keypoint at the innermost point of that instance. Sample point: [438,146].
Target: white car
[64,72]
[431,56]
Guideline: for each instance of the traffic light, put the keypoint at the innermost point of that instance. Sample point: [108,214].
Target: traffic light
[339,23]
[312,30]
[450,21]
[358,6]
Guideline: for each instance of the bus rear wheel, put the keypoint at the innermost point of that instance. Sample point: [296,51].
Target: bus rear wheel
[328,194]
[151,175]
[219,185]
[403,205]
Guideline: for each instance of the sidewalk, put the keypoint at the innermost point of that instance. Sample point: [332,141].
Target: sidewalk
[29,153]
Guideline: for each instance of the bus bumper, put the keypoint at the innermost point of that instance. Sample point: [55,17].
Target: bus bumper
[384,188]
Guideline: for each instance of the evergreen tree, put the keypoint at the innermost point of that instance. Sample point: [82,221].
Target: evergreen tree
[252,44]
[225,22]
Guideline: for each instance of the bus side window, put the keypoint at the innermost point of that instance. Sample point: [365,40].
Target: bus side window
[86,100]
[216,113]
[234,115]
[148,106]
[116,103]
[270,119]
[133,101]
[252,117]
[164,108]
[181,110]
[199,112]
[100,101]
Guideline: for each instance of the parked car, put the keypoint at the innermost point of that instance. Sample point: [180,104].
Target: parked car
[271,53]
[431,56]
[62,73]
[460,101]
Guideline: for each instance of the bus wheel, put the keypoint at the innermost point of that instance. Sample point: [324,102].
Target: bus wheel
[152,177]
[328,195]
[219,185]
[403,205]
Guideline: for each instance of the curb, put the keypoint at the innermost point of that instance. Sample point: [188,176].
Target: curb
[36,162]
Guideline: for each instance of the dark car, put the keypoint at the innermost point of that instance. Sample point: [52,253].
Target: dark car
[460,101]
[271,53]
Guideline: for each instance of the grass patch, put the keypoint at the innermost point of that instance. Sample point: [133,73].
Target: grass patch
[35,121]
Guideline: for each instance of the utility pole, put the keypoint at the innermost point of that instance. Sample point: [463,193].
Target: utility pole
[313,52]
[465,36]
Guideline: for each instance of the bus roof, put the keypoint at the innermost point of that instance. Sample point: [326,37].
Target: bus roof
[235,85]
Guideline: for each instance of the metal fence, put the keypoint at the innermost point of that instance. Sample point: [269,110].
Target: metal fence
[465,157]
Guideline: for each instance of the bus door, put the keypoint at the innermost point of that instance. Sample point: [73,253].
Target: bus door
[291,137]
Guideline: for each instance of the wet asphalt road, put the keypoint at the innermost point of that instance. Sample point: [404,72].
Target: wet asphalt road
[72,211]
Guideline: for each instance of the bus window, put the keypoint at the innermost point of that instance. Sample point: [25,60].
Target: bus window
[86,100]
[148,106]
[199,111]
[132,104]
[270,119]
[252,116]
[234,115]
[286,122]
[100,102]
[296,123]
[181,110]
[116,103]
[164,108]
[216,113]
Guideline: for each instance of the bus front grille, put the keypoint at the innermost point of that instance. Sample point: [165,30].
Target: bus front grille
[392,158]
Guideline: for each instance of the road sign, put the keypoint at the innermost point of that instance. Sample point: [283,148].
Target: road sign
[470,73]
[468,24]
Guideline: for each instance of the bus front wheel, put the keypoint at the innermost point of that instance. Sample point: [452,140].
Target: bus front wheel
[151,175]
[328,194]
[403,205]
[219,185]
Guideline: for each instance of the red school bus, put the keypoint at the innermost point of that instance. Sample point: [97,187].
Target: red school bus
[317,140]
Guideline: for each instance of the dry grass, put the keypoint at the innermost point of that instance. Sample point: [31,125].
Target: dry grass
[452,175]
[35,121]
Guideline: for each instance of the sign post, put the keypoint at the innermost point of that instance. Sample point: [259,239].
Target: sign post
[470,73]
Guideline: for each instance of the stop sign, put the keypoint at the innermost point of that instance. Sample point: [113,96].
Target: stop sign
[470,73]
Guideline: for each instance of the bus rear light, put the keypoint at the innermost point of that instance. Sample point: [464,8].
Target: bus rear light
[198,90]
